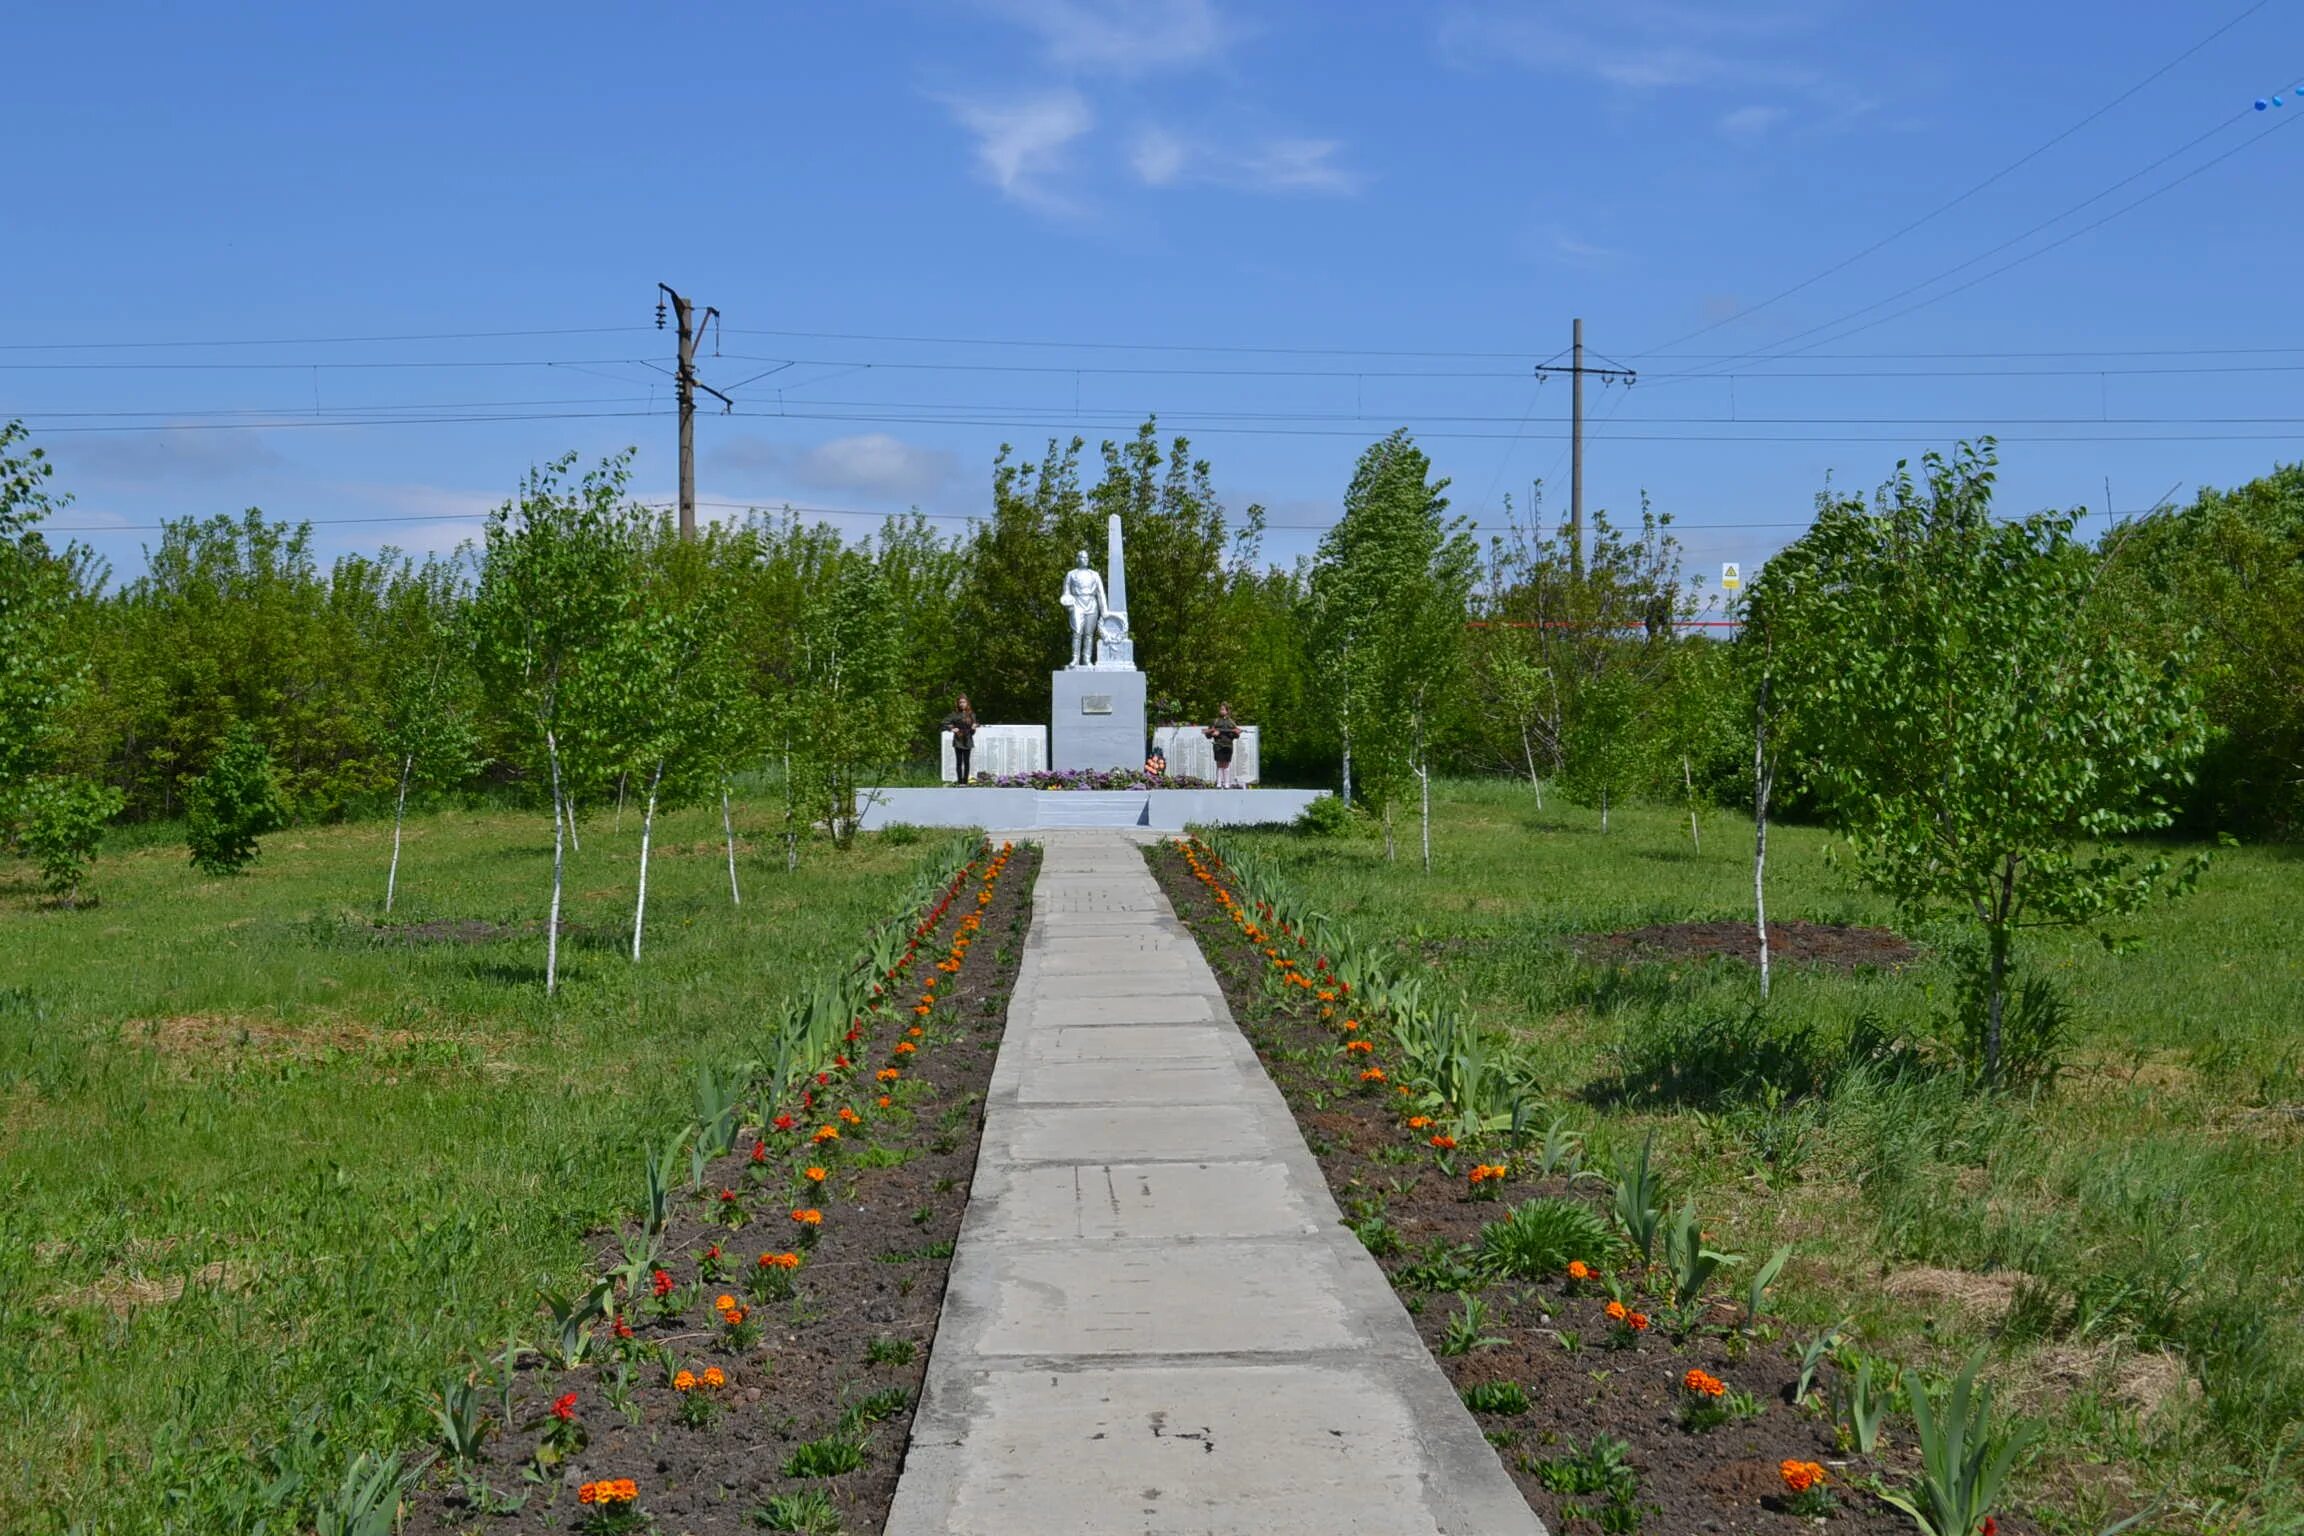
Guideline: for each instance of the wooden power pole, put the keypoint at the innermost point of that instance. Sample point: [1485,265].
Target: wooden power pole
[1576,372]
[689,324]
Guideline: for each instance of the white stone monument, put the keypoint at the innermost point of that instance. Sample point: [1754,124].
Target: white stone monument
[1097,715]
[1001,750]
[1193,756]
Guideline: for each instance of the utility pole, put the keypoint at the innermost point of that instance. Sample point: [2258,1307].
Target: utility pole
[689,324]
[1576,372]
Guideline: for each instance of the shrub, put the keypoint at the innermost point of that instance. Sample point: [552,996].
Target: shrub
[1325,817]
[1536,1240]
[63,823]
[231,805]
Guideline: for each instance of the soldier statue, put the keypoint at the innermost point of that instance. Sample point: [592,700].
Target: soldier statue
[1083,599]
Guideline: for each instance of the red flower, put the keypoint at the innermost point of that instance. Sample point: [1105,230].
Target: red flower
[760,1148]
[727,1197]
[565,1409]
[823,1078]
[785,1122]
[713,1252]
[840,1062]
[662,1283]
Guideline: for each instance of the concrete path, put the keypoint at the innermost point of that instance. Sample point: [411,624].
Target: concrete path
[1156,1323]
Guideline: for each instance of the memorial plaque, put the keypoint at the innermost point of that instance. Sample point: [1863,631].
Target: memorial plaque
[1095,703]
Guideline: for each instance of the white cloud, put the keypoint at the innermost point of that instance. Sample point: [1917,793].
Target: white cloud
[1751,122]
[1649,45]
[1164,159]
[1021,143]
[870,464]
[1121,36]
[1575,249]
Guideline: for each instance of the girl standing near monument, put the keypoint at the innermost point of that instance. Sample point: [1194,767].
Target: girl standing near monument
[962,724]
[1223,733]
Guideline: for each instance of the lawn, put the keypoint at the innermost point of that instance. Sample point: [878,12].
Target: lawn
[267,1169]
[2131,1242]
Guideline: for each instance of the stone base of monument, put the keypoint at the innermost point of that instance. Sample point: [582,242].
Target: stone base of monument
[1193,756]
[1000,749]
[1028,810]
[1095,719]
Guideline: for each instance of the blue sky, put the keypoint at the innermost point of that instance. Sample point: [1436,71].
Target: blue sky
[1387,213]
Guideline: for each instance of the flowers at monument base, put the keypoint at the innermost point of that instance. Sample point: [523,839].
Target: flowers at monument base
[1700,1383]
[1486,1173]
[1800,1476]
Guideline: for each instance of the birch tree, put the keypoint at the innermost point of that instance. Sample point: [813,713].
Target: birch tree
[428,706]
[553,594]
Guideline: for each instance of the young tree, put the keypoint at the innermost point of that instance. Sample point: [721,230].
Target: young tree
[684,691]
[428,706]
[62,824]
[234,803]
[554,590]
[1976,736]
[844,718]
[1388,591]
[37,588]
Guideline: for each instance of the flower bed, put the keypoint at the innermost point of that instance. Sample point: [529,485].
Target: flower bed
[752,1353]
[1623,1392]
[1092,778]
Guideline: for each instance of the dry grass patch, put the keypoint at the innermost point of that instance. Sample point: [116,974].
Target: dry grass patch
[1986,1297]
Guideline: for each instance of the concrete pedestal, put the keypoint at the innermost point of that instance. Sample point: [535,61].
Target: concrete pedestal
[1096,719]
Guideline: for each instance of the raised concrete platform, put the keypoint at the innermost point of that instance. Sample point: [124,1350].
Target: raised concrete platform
[1157,1323]
[1026,810]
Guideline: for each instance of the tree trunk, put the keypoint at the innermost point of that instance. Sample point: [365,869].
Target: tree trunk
[620,778]
[728,828]
[559,864]
[1603,810]
[647,831]
[1996,1002]
[1424,783]
[1762,775]
[574,841]
[399,812]
[1688,779]
[1391,855]
[1528,752]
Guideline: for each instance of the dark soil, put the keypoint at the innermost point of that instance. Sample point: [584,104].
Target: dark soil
[1414,1208]
[854,1334]
[1836,946]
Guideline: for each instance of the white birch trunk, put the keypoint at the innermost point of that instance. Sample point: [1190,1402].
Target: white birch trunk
[559,864]
[1424,784]
[1603,810]
[1761,775]
[399,814]
[647,831]
[574,841]
[1688,781]
[728,829]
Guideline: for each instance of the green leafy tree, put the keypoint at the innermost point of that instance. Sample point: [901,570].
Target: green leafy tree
[553,597]
[37,673]
[1977,736]
[1016,561]
[234,803]
[845,716]
[2221,582]
[1389,587]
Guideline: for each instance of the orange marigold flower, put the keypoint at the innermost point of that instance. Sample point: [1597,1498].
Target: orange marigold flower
[1351,1025]
[1483,1172]
[684,1382]
[906,1047]
[723,1303]
[1637,1322]
[885,1101]
[1616,1312]
[587,1493]
[850,1115]
[1444,1142]
[1799,1476]
[825,1133]
[915,1032]
[715,1377]
[816,1175]
[1703,1383]
[809,1217]
[1360,1047]
[1418,1122]
[1372,1075]
[888,1074]
[779,1261]
[920,1009]
[733,1317]
[1579,1270]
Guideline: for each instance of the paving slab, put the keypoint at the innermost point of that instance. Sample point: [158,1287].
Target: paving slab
[1157,1324]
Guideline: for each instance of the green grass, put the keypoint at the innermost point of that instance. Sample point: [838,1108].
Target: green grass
[327,1161]
[2148,1212]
